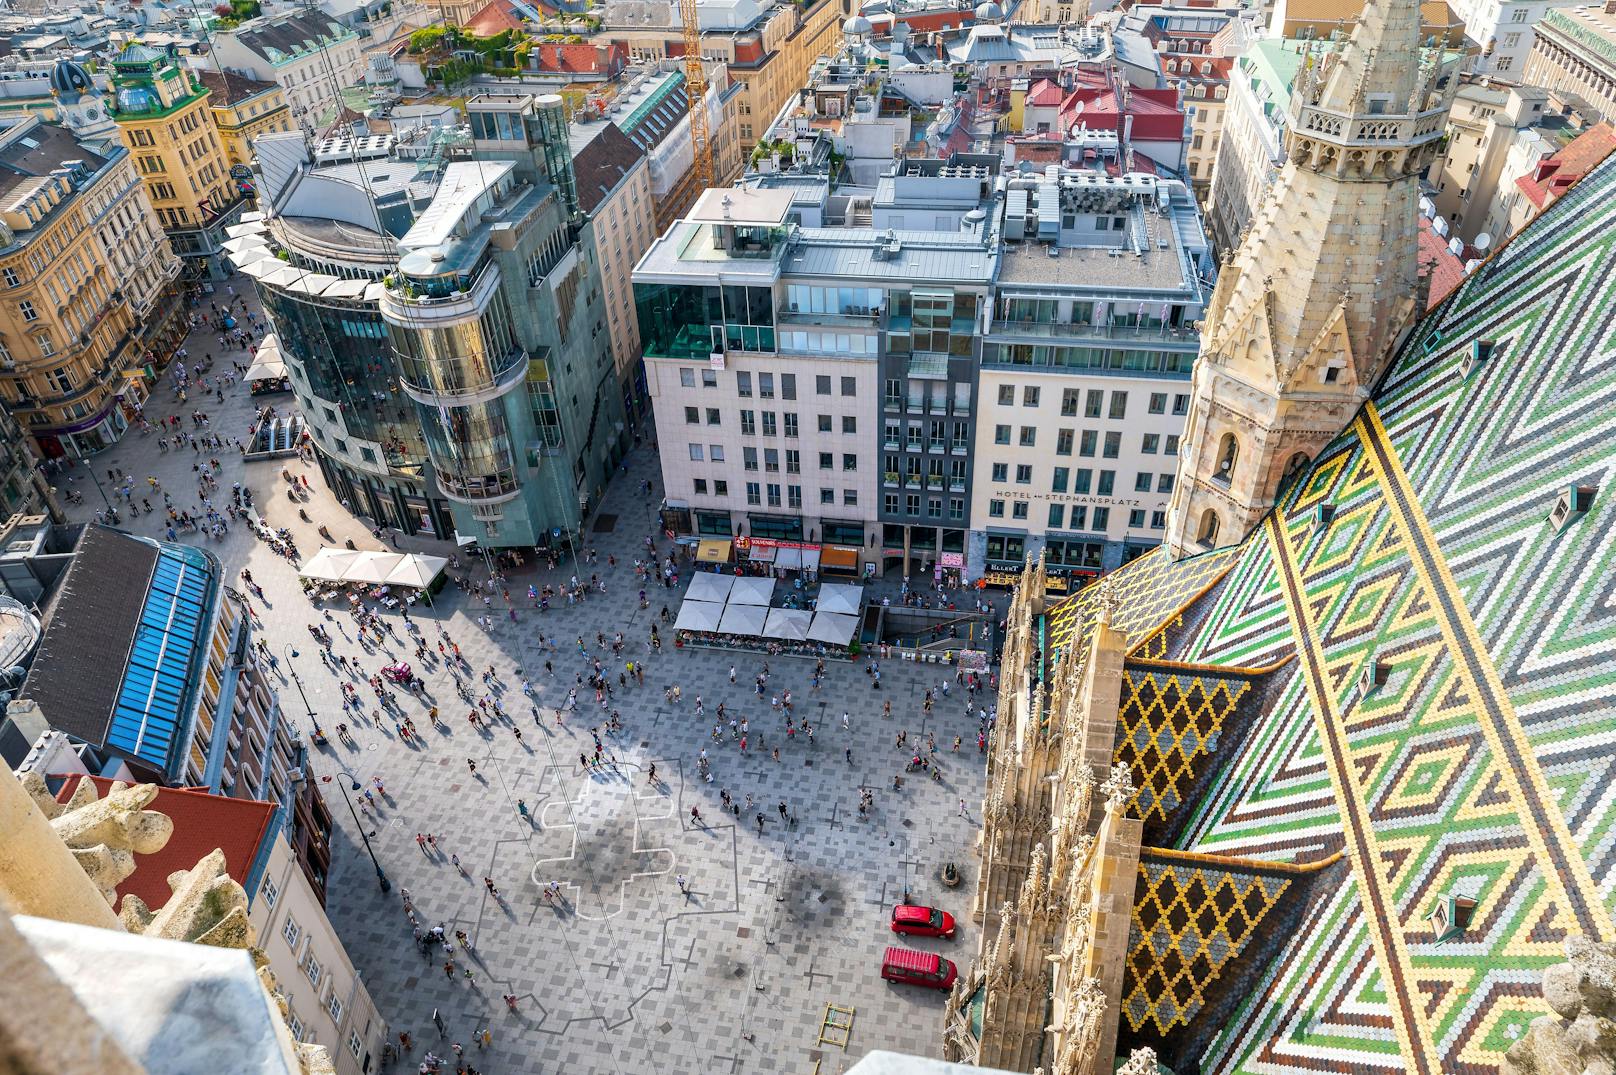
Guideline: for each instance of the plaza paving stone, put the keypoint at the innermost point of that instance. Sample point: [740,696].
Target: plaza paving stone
[625,973]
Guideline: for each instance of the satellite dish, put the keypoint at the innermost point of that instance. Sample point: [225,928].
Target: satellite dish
[1483,241]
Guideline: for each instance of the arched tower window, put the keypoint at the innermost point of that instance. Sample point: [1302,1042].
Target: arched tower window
[1207,534]
[1295,464]
[1228,456]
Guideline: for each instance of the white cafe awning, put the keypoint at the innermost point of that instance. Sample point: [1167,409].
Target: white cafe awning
[709,586]
[749,590]
[743,619]
[840,598]
[832,628]
[699,616]
[788,623]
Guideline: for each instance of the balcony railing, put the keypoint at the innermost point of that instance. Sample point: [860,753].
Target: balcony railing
[1046,330]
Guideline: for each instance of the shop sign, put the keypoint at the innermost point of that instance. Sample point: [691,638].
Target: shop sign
[952,559]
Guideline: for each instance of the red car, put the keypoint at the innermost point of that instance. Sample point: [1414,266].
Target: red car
[922,921]
[918,968]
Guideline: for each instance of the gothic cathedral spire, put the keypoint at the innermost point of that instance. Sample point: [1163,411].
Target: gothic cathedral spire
[1307,312]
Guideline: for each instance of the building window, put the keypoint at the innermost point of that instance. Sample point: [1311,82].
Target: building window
[1136,518]
[822,385]
[1023,474]
[1029,434]
[1057,516]
[1181,404]
[10,277]
[700,485]
[849,460]
[1113,446]
[1150,444]
[720,487]
[1001,434]
[769,427]
[1069,398]
[692,416]
[269,892]
[826,495]
[794,497]
[1059,482]
[291,931]
[27,310]
[748,423]
[743,384]
[1083,479]
[850,498]
[709,378]
[1007,395]
[791,423]
[754,494]
[889,503]
[788,386]
[1094,403]
[1063,442]
[1141,482]
[687,377]
[771,460]
[849,386]
[849,424]
[1158,403]
[715,453]
[995,508]
[315,972]
[1119,405]
[774,495]
[60,378]
[827,460]
[334,1006]
[749,458]
[1102,519]
[1018,510]
[355,1046]
[1164,483]
[695,453]
[1001,472]
[1087,444]
[793,461]
[1158,520]
[956,508]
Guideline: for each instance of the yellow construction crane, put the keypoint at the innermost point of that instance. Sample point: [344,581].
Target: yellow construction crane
[696,91]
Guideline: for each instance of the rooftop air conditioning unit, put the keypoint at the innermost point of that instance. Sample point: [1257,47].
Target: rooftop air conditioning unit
[1375,674]
[1572,504]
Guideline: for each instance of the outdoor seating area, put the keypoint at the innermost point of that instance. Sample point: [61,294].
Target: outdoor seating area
[391,579]
[267,373]
[738,611]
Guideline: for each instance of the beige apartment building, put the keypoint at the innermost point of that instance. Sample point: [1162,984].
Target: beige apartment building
[84,286]
[1493,139]
[1574,55]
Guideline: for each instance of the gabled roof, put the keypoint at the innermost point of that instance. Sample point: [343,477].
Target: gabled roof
[229,88]
[202,823]
[1045,93]
[502,15]
[602,164]
[1554,175]
[281,36]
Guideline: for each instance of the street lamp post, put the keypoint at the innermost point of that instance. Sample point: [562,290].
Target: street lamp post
[381,876]
[291,655]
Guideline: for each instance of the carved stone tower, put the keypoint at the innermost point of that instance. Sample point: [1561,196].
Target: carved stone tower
[1307,312]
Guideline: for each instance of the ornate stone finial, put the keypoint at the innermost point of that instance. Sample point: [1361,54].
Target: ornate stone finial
[1119,790]
[1141,1061]
[1085,1016]
[1106,600]
[1577,1038]
[1035,889]
[104,835]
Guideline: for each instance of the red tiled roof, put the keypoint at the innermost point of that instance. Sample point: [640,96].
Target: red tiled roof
[496,18]
[1156,115]
[202,823]
[1043,94]
[1555,175]
[1438,263]
[579,59]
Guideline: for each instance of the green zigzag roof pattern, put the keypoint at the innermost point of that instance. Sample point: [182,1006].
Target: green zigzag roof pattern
[1480,764]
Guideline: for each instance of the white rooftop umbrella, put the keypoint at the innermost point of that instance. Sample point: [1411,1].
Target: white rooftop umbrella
[743,619]
[709,586]
[750,590]
[788,623]
[328,565]
[417,571]
[699,616]
[833,628]
[840,598]
[373,567]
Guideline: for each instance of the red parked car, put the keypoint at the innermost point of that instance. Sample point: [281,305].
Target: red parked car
[918,968]
[922,921]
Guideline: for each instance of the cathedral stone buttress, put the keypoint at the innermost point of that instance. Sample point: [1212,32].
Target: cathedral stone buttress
[1309,309]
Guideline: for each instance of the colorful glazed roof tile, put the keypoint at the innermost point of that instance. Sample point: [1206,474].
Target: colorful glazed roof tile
[1447,720]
